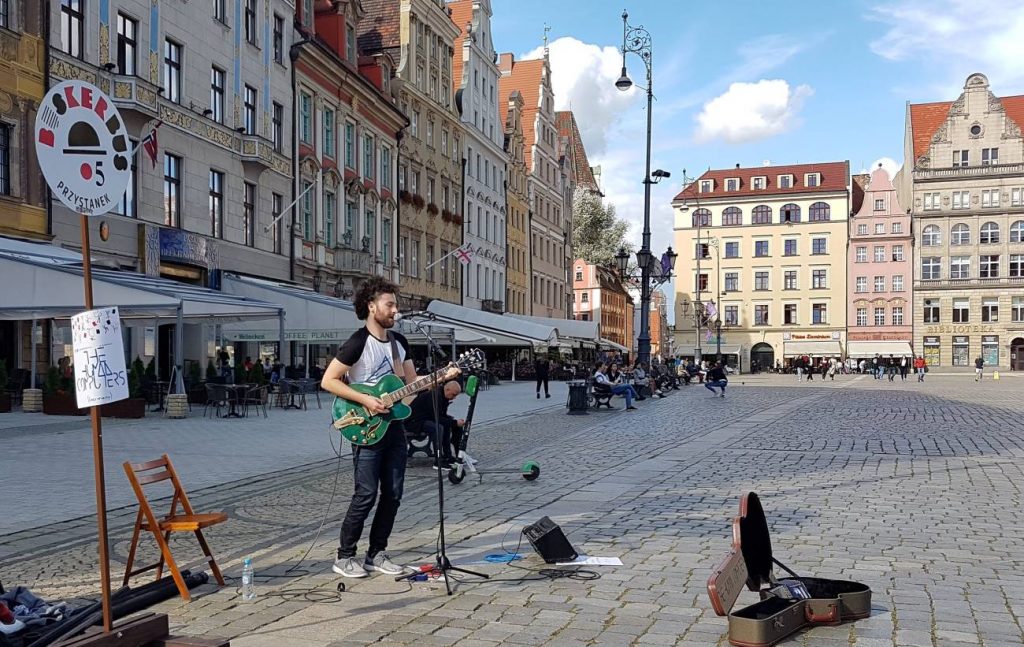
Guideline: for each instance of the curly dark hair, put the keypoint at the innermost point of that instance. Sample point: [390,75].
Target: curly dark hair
[368,291]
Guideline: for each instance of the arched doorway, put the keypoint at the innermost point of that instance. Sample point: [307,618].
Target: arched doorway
[764,355]
[1017,354]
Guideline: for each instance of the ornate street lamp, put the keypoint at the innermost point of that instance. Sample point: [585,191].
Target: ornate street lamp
[318,279]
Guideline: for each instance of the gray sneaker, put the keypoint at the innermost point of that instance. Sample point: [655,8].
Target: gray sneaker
[349,567]
[381,562]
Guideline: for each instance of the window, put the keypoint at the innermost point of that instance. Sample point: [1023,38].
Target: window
[249,214]
[1016,197]
[702,282]
[897,283]
[385,247]
[249,114]
[276,207]
[584,297]
[760,248]
[931,268]
[862,230]
[701,218]
[789,280]
[897,227]
[732,216]
[789,313]
[758,182]
[414,263]
[811,179]
[127,44]
[761,315]
[305,118]
[250,21]
[862,254]
[277,127]
[761,281]
[415,123]
[732,184]
[932,202]
[897,253]
[879,228]
[307,211]
[350,145]
[329,145]
[789,247]
[350,43]
[368,156]
[1017,309]
[961,348]
[990,309]
[862,284]
[278,39]
[897,315]
[862,316]
[579,275]
[385,173]
[172,189]
[732,249]
[819,279]
[761,215]
[989,234]
[217,94]
[879,253]
[990,349]
[219,12]
[819,313]
[350,222]
[785,181]
[330,209]
[931,236]
[216,204]
[960,235]
[990,198]
[879,316]
[879,204]
[819,211]
[819,245]
[72,27]
[732,281]
[370,237]
[961,158]
[961,310]
[1017,232]
[931,311]
[172,71]
[1017,266]
[706,186]
[126,206]
[960,267]
[700,250]
[732,315]
[789,213]
[961,199]
[879,284]
[989,266]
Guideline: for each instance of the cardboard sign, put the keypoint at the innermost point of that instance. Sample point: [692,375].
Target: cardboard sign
[83,147]
[100,375]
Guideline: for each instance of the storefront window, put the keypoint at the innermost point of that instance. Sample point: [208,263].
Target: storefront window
[990,349]
[961,351]
[932,355]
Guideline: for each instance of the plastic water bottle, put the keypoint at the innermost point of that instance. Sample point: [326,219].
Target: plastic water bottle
[248,581]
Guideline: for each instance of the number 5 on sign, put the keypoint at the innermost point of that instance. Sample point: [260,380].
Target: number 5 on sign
[99,367]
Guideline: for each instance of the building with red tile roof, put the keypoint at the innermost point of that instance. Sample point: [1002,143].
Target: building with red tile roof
[574,152]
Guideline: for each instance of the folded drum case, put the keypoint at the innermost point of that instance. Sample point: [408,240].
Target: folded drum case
[750,562]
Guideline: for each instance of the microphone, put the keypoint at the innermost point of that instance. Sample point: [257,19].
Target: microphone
[422,314]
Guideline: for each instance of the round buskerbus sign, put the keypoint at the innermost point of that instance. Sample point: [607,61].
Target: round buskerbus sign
[83,148]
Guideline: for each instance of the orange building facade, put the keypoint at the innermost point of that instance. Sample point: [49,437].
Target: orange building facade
[599,295]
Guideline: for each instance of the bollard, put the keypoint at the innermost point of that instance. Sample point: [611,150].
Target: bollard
[177,405]
[995,376]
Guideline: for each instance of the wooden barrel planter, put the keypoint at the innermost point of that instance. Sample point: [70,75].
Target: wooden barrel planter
[177,405]
[62,404]
[32,400]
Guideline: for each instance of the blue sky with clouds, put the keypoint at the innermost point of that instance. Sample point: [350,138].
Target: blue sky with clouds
[748,81]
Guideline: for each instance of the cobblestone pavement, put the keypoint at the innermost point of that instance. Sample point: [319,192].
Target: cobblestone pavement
[914,489]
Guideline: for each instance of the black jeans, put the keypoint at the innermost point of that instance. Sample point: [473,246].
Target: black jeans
[542,379]
[451,437]
[377,466]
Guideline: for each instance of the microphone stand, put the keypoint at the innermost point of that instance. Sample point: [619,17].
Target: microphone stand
[442,562]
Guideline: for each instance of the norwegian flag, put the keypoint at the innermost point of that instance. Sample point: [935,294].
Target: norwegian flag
[464,254]
[151,145]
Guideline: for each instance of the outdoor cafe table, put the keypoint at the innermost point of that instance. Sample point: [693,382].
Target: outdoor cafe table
[235,390]
[291,388]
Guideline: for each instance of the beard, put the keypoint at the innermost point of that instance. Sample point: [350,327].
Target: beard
[384,321]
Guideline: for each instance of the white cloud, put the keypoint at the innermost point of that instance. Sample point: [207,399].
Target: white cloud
[961,36]
[583,79]
[889,164]
[751,111]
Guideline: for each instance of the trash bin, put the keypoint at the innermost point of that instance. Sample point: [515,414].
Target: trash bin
[577,398]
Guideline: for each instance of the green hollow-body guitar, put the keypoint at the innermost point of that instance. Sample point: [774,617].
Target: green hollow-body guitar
[360,427]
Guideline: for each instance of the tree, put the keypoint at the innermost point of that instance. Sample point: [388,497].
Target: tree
[597,233]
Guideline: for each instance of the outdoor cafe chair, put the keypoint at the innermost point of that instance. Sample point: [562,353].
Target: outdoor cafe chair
[155,471]
[255,397]
[311,386]
[216,397]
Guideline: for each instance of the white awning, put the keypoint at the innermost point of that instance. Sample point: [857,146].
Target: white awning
[39,251]
[860,349]
[607,343]
[494,325]
[308,316]
[41,289]
[726,350]
[577,329]
[441,333]
[828,348]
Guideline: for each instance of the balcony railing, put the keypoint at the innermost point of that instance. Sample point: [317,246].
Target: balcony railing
[353,260]
[957,283]
[968,171]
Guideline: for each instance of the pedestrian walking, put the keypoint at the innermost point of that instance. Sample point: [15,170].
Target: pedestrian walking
[891,365]
[810,368]
[919,366]
[542,370]
[979,368]
[903,368]
[833,364]
[716,378]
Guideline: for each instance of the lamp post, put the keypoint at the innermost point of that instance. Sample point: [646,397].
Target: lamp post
[650,278]
[637,40]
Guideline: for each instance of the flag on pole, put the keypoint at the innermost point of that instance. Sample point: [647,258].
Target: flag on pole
[151,145]
[711,310]
[464,254]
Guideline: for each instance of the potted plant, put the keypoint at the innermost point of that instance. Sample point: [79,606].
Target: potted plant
[432,209]
[59,395]
[211,371]
[405,196]
[5,397]
[418,202]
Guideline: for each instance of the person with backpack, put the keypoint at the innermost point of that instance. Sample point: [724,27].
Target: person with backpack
[979,368]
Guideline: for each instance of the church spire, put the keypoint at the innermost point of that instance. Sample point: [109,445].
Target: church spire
[547,28]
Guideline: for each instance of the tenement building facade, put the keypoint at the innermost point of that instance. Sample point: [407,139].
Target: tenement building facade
[964,181]
[517,248]
[767,246]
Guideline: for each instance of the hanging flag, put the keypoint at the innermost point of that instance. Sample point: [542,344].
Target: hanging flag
[711,310]
[666,265]
[151,145]
[464,254]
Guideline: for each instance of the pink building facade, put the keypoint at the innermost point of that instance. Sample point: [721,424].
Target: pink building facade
[881,255]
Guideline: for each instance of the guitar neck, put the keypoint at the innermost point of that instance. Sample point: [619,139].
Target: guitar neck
[414,387]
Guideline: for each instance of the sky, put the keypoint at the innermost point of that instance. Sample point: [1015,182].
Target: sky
[742,82]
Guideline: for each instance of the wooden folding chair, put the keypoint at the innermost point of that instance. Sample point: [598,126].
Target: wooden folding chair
[162,470]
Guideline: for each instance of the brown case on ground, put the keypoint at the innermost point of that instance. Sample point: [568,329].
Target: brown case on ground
[750,561]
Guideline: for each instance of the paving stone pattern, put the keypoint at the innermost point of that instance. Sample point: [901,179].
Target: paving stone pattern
[913,489]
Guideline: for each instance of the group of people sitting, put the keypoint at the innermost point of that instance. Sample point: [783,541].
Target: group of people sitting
[639,384]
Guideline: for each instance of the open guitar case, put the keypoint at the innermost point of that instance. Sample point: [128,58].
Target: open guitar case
[750,561]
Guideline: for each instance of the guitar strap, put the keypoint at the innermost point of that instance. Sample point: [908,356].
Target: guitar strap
[396,365]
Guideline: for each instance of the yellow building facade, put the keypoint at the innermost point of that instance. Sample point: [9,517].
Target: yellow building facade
[762,264]
[517,252]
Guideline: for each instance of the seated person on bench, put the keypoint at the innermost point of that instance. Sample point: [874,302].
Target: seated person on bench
[624,390]
[421,421]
